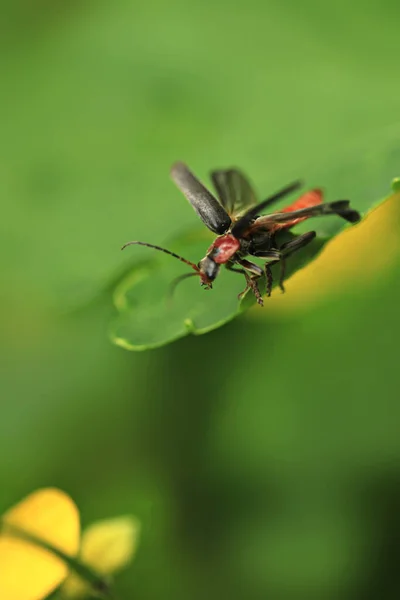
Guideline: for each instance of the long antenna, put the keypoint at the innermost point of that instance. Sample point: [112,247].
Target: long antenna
[176,281]
[195,267]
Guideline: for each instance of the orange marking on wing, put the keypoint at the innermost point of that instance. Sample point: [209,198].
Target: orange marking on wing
[311,198]
[265,223]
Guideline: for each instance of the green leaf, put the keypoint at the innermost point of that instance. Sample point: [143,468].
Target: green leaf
[85,156]
[148,317]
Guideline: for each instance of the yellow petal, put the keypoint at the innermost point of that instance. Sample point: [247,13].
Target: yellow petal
[106,547]
[26,571]
[109,545]
[74,587]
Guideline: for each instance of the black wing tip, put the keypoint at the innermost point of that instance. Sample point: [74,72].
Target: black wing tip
[296,184]
[291,187]
[288,189]
[340,204]
[343,210]
[352,216]
[223,227]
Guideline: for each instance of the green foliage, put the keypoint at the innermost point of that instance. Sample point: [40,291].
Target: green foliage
[262,458]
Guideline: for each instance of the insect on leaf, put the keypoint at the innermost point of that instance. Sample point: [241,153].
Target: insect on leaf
[146,315]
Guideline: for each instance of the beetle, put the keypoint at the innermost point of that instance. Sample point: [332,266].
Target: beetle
[236,218]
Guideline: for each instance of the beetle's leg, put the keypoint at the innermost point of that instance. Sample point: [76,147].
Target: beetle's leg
[291,247]
[256,272]
[299,242]
[282,275]
[268,276]
[252,267]
[230,267]
[274,254]
[251,284]
[250,281]
[280,256]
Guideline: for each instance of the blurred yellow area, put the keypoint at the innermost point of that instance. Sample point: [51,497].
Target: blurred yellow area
[360,256]
[107,546]
[28,572]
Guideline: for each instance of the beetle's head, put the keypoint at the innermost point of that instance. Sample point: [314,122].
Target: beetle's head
[208,270]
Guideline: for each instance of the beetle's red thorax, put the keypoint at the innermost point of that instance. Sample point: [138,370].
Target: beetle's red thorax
[223,248]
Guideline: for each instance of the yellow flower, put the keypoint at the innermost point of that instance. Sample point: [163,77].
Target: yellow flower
[107,546]
[40,547]
[27,571]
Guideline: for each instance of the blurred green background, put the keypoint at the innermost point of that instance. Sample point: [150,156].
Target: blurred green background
[262,459]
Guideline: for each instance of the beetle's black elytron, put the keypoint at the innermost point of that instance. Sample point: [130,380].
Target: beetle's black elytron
[241,228]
